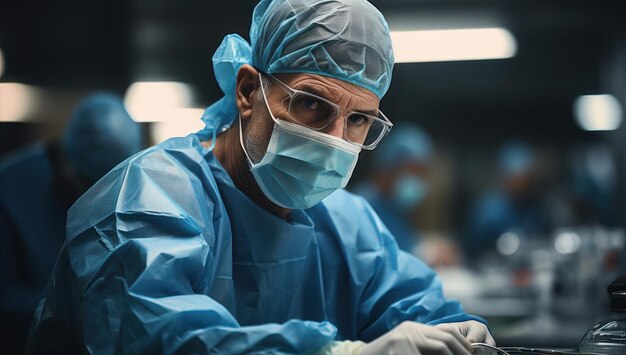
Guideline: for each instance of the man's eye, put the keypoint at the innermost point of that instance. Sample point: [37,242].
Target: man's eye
[311,103]
[357,119]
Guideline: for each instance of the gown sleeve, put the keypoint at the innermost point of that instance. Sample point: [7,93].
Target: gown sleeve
[396,286]
[142,257]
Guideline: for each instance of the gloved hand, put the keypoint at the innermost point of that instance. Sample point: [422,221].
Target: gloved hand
[416,338]
[473,331]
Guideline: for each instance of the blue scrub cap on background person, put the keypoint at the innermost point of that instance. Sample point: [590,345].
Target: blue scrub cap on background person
[99,135]
[343,39]
[406,143]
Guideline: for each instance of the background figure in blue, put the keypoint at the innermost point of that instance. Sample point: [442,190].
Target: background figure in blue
[515,205]
[37,186]
[397,183]
[592,185]
[239,238]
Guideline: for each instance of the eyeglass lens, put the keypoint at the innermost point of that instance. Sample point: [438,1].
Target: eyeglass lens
[312,112]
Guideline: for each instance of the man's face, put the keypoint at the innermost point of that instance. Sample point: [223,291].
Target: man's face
[348,96]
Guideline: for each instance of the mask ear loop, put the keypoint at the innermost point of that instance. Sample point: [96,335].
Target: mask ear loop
[250,163]
[267,104]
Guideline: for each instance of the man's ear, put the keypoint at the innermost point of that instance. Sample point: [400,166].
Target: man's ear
[245,89]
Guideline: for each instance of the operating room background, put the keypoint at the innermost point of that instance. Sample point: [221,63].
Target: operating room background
[58,52]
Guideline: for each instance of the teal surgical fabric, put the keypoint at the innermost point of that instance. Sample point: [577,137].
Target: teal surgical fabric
[165,255]
[343,39]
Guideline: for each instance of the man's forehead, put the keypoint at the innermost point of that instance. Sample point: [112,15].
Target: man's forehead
[332,89]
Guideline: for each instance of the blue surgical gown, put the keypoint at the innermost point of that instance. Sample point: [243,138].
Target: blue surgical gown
[165,255]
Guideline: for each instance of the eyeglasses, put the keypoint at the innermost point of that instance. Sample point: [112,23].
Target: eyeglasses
[317,113]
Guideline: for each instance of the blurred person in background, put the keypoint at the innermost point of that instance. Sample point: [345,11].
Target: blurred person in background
[397,186]
[592,185]
[37,186]
[397,183]
[515,205]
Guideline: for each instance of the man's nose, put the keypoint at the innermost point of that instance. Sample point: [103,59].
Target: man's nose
[336,127]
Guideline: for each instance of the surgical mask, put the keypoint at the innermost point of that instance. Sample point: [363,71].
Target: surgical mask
[409,191]
[301,166]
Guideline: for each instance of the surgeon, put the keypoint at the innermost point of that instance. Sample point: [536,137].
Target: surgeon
[397,184]
[239,238]
[514,205]
[37,186]
[591,185]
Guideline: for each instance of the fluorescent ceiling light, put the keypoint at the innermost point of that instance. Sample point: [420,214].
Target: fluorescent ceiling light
[452,45]
[598,112]
[157,101]
[18,102]
[187,120]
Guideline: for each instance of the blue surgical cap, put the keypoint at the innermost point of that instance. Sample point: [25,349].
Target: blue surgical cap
[405,143]
[343,39]
[99,135]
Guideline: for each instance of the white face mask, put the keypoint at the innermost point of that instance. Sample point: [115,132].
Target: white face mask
[301,166]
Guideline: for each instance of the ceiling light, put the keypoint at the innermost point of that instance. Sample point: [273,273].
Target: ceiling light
[17,102]
[598,112]
[187,121]
[156,101]
[452,45]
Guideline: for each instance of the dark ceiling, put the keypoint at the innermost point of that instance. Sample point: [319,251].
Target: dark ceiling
[563,47]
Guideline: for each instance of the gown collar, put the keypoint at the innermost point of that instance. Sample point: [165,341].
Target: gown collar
[258,235]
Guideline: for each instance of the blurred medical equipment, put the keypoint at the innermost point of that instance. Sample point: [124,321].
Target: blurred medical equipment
[486,349]
[609,335]
[541,291]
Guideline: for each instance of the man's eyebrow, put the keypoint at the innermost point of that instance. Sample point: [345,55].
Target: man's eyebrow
[327,94]
[371,112]
[315,90]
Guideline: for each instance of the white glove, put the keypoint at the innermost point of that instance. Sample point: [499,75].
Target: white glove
[345,347]
[473,331]
[416,338]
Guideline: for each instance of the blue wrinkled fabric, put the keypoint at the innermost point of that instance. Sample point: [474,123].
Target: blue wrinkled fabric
[343,39]
[165,255]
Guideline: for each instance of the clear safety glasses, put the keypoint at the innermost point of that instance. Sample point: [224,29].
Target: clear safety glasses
[317,113]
